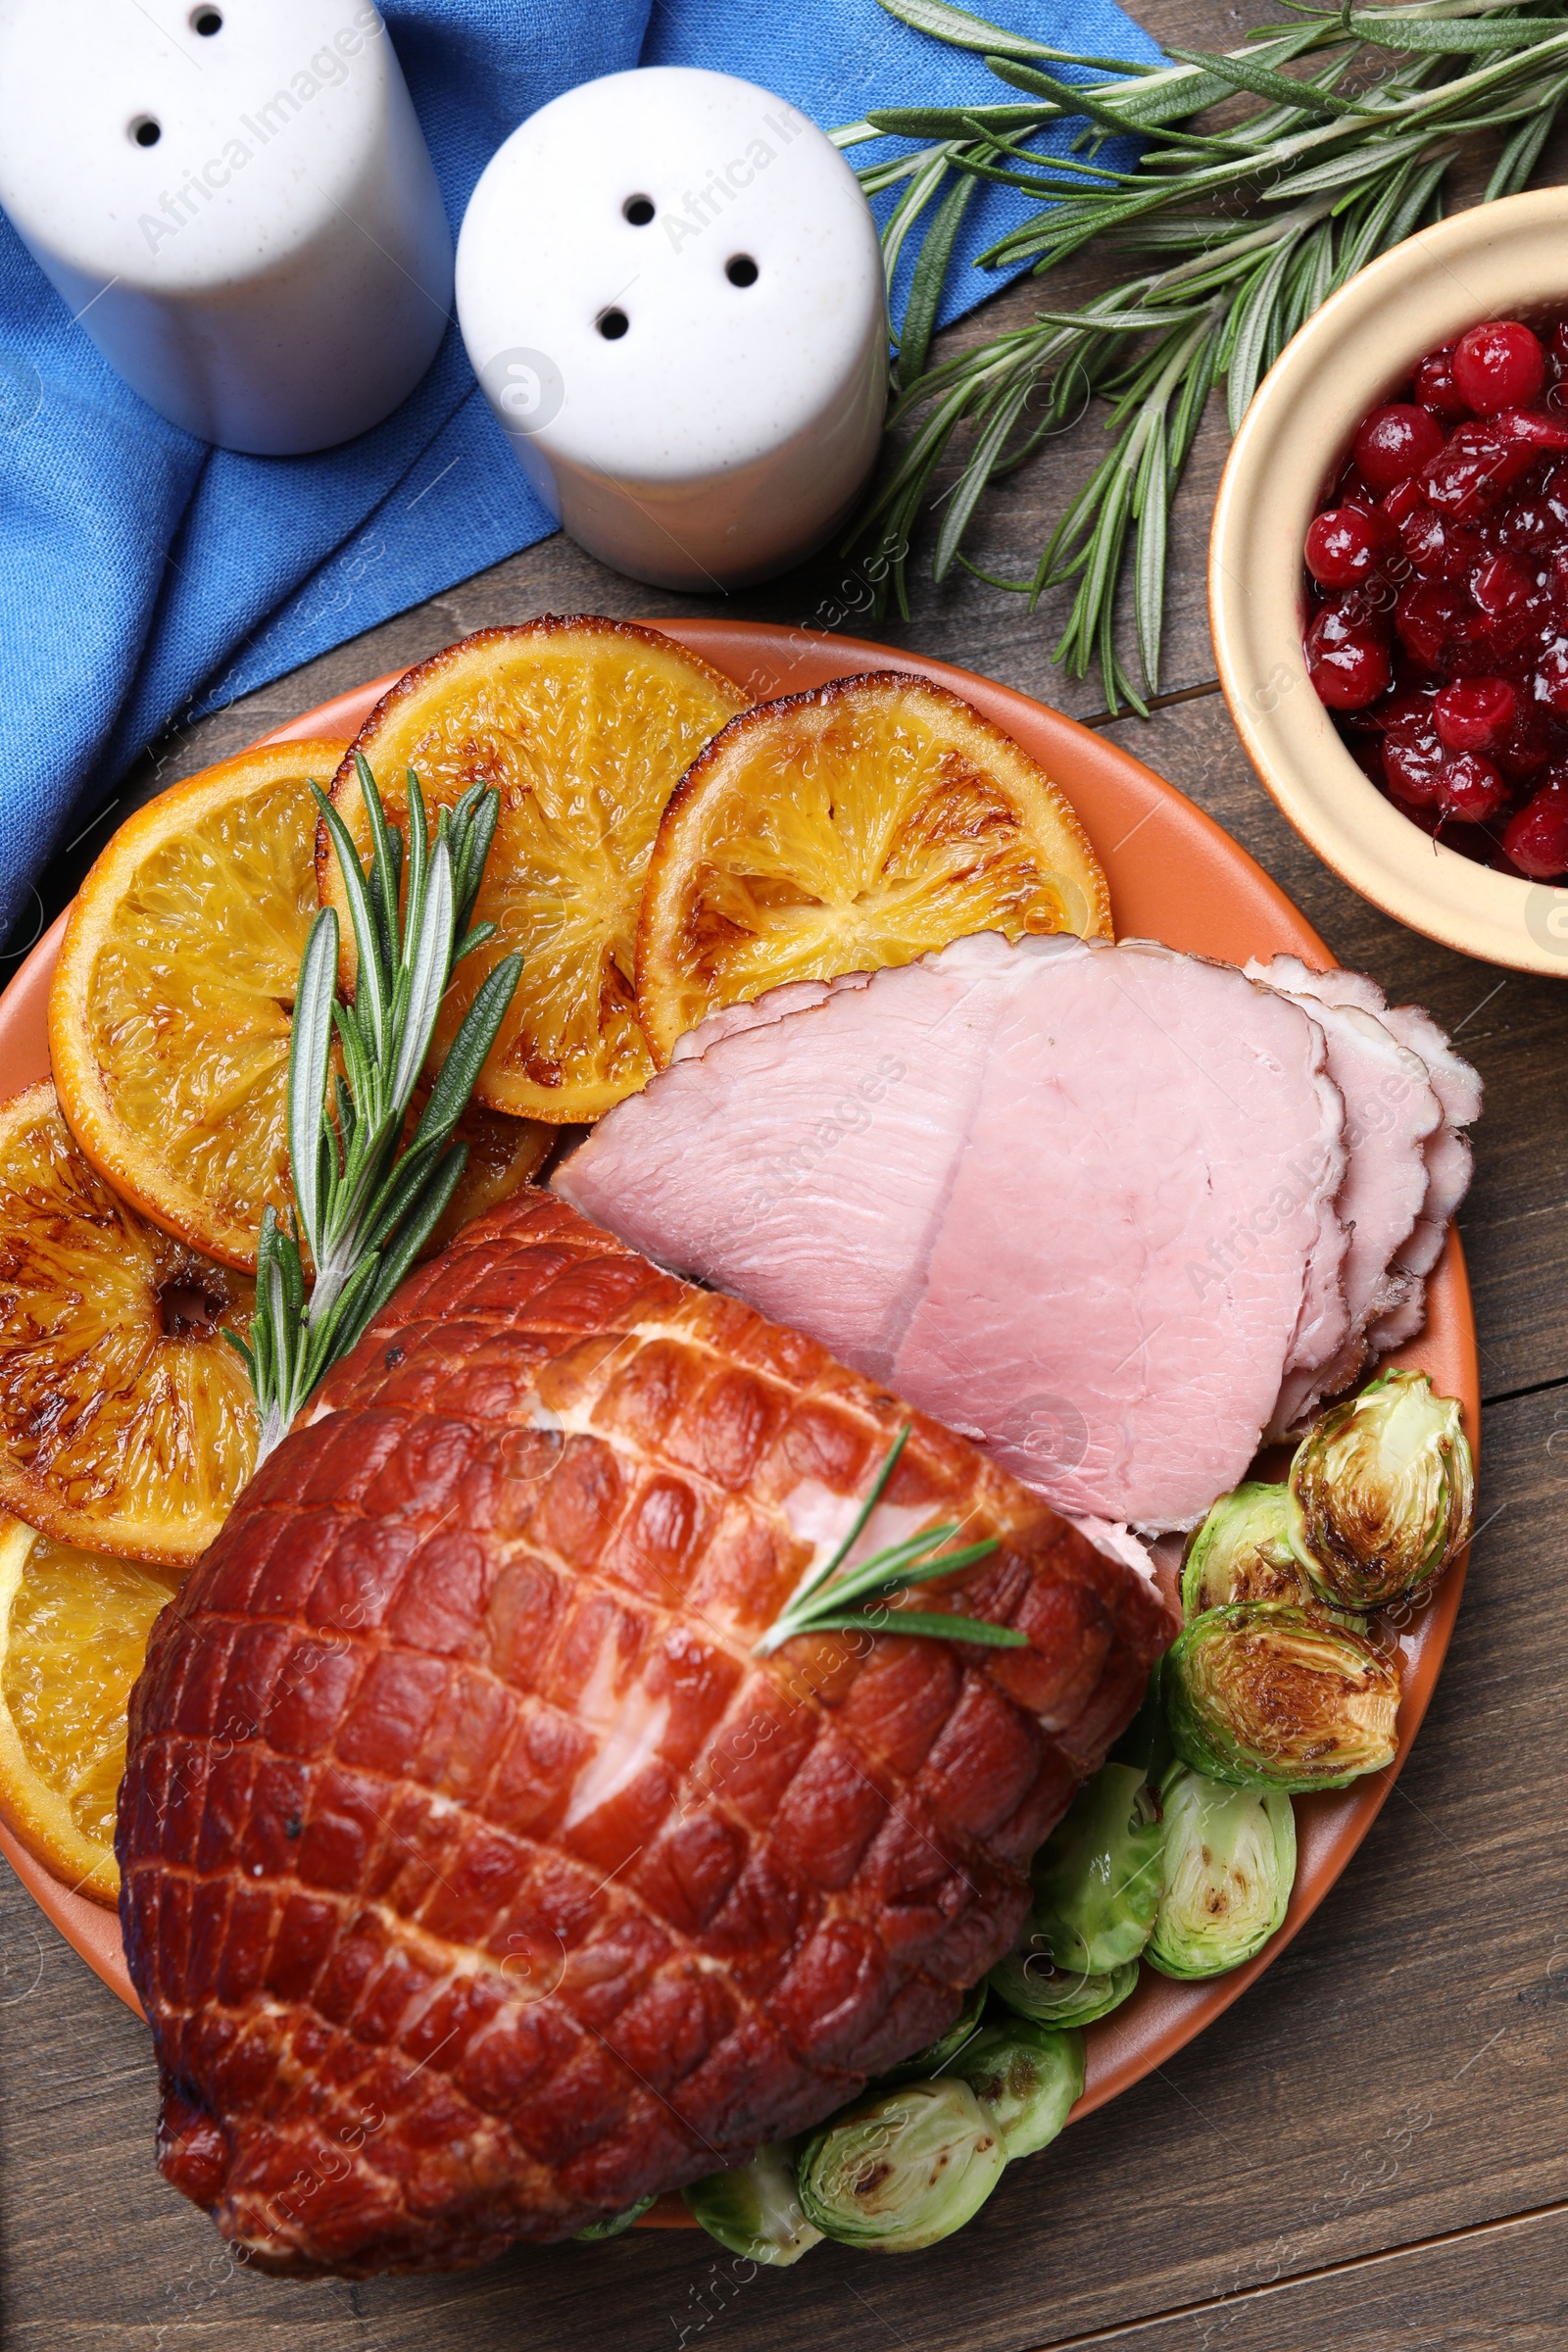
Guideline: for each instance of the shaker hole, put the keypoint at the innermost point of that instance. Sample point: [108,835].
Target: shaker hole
[638,209]
[741,269]
[206,21]
[612,325]
[145,131]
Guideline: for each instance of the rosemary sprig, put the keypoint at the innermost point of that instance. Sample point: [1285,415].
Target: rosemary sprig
[1241,233]
[824,1600]
[366,1209]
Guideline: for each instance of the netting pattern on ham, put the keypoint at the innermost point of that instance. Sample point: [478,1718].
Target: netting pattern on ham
[478,1878]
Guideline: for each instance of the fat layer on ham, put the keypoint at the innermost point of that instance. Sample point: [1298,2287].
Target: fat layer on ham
[1076,1201]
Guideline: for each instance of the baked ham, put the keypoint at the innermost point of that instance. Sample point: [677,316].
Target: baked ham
[477,1878]
[1074,1199]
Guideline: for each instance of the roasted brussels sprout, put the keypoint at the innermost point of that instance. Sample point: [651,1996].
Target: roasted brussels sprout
[903,2169]
[934,2058]
[617,2222]
[1266,1697]
[1230,1863]
[1027,2076]
[754,2208]
[1096,1877]
[1243,1552]
[1031,1983]
[1382,1491]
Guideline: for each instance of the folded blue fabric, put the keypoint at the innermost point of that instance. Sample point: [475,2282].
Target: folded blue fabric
[148,577]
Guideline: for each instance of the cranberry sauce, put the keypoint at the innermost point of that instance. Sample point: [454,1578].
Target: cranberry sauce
[1438,577]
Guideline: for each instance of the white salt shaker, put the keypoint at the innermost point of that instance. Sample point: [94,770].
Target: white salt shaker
[670,287]
[237,204]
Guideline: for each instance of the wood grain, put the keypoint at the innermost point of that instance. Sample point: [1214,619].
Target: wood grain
[1346,2155]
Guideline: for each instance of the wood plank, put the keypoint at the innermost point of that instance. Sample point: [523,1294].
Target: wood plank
[1395,2077]
[1507,2283]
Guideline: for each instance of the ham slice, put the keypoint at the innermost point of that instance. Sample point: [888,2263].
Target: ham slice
[1075,1199]
[478,1877]
[1445,1150]
[1391,1112]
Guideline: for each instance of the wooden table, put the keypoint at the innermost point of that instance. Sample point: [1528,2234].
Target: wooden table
[1372,2146]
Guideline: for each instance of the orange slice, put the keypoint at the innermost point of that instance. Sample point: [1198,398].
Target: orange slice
[841,830]
[586,726]
[126,1417]
[169,1015]
[74,1628]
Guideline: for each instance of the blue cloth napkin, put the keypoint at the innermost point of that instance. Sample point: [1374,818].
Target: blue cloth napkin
[148,577]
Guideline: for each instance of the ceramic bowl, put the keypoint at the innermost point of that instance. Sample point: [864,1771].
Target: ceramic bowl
[1498,261]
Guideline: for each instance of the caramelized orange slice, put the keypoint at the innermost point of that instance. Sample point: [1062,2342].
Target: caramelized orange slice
[74,1628]
[841,830]
[126,1422]
[169,1015]
[586,726]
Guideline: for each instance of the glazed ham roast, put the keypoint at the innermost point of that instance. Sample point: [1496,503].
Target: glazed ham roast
[477,1878]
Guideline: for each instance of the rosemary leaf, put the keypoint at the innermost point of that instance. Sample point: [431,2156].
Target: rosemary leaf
[955,1628]
[930,276]
[1330,168]
[364,1206]
[817,1603]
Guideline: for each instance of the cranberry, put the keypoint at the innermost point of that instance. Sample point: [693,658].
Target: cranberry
[1475,713]
[1559,346]
[1431,618]
[1524,527]
[1469,786]
[1413,764]
[1501,585]
[1528,745]
[1348,663]
[1343,545]
[1396,442]
[1435,388]
[1473,468]
[1536,839]
[1498,366]
[1546,435]
[1422,537]
[1552,678]
[1402,714]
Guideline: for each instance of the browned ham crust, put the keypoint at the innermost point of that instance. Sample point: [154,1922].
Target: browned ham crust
[477,1878]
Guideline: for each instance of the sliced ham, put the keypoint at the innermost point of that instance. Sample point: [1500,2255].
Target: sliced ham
[1391,1112]
[1448,1159]
[1076,1201]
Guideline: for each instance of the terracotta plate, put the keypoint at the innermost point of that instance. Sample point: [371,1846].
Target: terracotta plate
[1174,877]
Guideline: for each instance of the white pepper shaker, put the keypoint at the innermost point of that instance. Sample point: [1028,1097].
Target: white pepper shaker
[670,287]
[236,203]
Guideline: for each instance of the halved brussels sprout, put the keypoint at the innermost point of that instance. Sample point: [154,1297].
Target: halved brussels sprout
[754,2208]
[1243,1552]
[1266,1697]
[1230,1863]
[1028,2077]
[617,2222]
[903,2169]
[934,2057]
[1096,1877]
[1031,1983]
[1382,1491]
